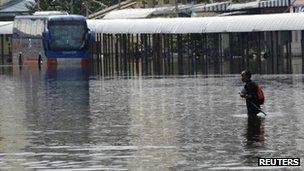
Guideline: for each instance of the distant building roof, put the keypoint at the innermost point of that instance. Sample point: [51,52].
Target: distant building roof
[147,12]
[13,8]
[233,13]
[46,13]
[229,6]
[240,6]
[274,3]
[125,4]
[219,6]
[138,13]
[18,7]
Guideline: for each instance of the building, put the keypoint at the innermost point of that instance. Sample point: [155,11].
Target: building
[128,4]
[157,3]
[10,8]
[145,9]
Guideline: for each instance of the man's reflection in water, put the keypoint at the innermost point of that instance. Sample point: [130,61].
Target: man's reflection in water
[255,139]
[255,132]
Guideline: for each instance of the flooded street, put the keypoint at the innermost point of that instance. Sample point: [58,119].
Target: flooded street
[62,119]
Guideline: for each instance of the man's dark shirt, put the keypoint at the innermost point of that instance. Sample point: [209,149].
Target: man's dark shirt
[250,89]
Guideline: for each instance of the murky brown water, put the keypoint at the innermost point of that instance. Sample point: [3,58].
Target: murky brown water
[60,119]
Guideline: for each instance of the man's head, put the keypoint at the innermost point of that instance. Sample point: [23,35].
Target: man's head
[246,75]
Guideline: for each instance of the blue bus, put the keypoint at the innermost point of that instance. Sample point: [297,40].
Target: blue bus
[45,38]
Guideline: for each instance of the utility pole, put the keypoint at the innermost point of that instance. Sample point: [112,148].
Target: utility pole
[176,8]
[38,5]
[119,4]
[86,5]
[72,6]
[87,9]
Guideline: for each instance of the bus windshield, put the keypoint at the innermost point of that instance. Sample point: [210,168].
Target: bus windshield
[67,35]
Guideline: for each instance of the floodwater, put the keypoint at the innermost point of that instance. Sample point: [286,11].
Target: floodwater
[62,119]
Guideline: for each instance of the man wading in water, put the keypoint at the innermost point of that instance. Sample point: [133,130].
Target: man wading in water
[250,93]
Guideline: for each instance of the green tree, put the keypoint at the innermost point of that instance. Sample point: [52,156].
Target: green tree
[82,7]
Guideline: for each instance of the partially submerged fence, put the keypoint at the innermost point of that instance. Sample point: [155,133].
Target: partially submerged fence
[188,46]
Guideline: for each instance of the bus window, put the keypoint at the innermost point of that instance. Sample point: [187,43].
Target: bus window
[70,35]
[40,27]
[23,28]
[28,27]
[33,27]
[36,28]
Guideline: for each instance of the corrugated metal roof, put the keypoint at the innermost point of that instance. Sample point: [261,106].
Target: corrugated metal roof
[244,23]
[124,4]
[218,6]
[137,13]
[274,3]
[19,7]
[6,27]
[240,6]
[229,6]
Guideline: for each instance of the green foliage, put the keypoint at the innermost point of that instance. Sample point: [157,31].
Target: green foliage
[81,7]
